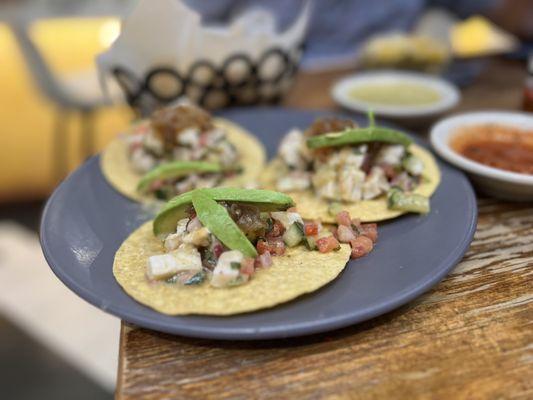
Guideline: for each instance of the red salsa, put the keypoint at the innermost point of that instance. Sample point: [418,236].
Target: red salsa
[497,146]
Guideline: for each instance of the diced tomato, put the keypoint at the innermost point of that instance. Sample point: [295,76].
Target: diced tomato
[361,246]
[155,185]
[218,249]
[389,170]
[276,247]
[261,246]
[135,145]
[247,266]
[273,246]
[345,234]
[327,244]
[370,231]
[343,218]
[202,140]
[311,229]
[264,260]
[277,229]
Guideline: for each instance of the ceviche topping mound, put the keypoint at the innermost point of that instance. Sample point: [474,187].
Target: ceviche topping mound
[222,236]
[180,149]
[341,161]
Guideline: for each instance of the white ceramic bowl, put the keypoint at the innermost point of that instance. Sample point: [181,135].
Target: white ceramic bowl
[449,95]
[493,181]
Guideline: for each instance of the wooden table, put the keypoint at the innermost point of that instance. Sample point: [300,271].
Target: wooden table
[471,337]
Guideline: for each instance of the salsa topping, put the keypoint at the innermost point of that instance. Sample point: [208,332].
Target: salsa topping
[348,165]
[497,146]
[182,133]
[224,242]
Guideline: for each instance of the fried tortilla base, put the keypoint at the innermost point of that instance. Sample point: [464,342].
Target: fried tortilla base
[297,272]
[118,171]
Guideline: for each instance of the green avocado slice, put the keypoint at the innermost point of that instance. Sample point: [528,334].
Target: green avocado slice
[359,135]
[216,218]
[176,209]
[175,169]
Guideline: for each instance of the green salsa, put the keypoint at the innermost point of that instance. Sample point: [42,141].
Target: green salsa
[395,94]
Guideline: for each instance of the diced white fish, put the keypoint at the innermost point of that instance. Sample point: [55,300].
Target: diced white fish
[185,258]
[390,154]
[194,224]
[290,149]
[375,184]
[287,218]
[182,154]
[198,237]
[173,240]
[153,143]
[352,157]
[207,181]
[213,136]
[351,183]
[325,181]
[227,153]
[329,190]
[294,181]
[141,161]
[188,137]
[181,226]
[225,274]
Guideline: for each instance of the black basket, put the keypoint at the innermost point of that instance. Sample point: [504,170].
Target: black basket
[239,80]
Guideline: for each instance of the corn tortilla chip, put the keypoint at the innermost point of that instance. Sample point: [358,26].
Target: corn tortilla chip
[117,169]
[297,272]
[310,206]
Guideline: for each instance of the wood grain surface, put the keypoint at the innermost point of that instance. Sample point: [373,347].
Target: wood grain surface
[471,337]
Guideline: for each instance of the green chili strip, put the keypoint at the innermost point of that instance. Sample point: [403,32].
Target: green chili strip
[175,170]
[359,135]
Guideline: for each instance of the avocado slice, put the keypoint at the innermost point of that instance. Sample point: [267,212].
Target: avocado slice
[359,135]
[175,169]
[176,209]
[216,218]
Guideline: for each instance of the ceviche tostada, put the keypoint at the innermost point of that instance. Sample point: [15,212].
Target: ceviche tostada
[373,172]
[180,148]
[225,251]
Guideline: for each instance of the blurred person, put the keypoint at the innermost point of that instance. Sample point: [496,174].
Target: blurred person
[339,27]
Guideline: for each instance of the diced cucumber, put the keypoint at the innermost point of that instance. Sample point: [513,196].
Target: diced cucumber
[196,279]
[400,201]
[334,208]
[235,265]
[294,235]
[310,242]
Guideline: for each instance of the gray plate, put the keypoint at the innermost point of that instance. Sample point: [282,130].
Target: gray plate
[85,221]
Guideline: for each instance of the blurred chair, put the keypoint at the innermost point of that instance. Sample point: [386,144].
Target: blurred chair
[67,97]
